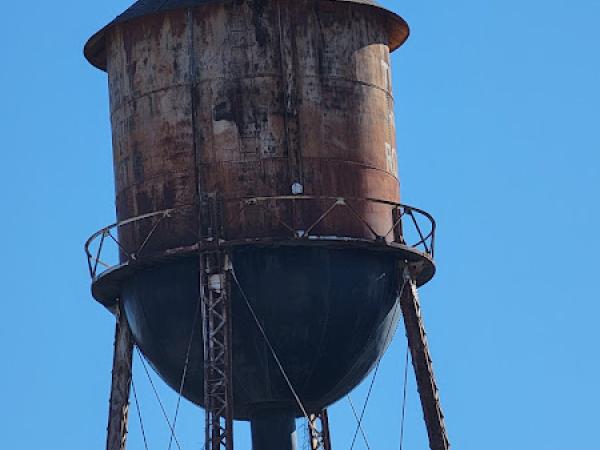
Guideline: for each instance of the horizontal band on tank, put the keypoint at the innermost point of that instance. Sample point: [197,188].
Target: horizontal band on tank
[95,48]
[165,88]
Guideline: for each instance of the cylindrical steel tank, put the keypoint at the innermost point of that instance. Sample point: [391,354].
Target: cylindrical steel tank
[251,98]
[270,99]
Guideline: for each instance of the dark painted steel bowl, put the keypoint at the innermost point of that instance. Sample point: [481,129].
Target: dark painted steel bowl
[329,313]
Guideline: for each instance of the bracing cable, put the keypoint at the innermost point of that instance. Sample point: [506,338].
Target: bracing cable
[271,349]
[139,414]
[287,379]
[370,391]
[162,407]
[404,397]
[362,431]
[364,408]
[185,369]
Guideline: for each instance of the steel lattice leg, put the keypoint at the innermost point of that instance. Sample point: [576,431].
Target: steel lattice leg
[421,359]
[216,310]
[318,431]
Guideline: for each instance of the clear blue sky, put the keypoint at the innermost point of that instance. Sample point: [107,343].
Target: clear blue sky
[498,128]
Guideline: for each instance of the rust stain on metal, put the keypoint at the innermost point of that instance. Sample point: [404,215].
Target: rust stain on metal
[252,98]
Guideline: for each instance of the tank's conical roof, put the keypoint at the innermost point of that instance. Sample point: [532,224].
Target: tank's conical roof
[95,50]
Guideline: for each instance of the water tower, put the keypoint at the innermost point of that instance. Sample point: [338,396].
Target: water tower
[263,252]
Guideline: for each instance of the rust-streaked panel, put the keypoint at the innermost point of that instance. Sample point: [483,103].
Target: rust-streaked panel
[249,99]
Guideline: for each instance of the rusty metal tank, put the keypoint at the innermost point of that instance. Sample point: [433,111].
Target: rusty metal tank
[251,98]
[283,110]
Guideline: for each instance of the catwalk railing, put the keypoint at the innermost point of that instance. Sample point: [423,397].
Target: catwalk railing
[410,227]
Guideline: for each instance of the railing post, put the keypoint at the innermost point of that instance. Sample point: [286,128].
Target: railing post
[397,221]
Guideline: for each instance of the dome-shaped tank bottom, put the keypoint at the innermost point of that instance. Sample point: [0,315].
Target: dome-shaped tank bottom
[329,313]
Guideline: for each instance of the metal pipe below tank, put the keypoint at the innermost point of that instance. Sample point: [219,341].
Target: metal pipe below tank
[274,431]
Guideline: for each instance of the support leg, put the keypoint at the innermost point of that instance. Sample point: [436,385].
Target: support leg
[318,430]
[121,385]
[216,321]
[421,359]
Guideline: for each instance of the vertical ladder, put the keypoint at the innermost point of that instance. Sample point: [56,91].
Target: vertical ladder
[421,359]
[215,293]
